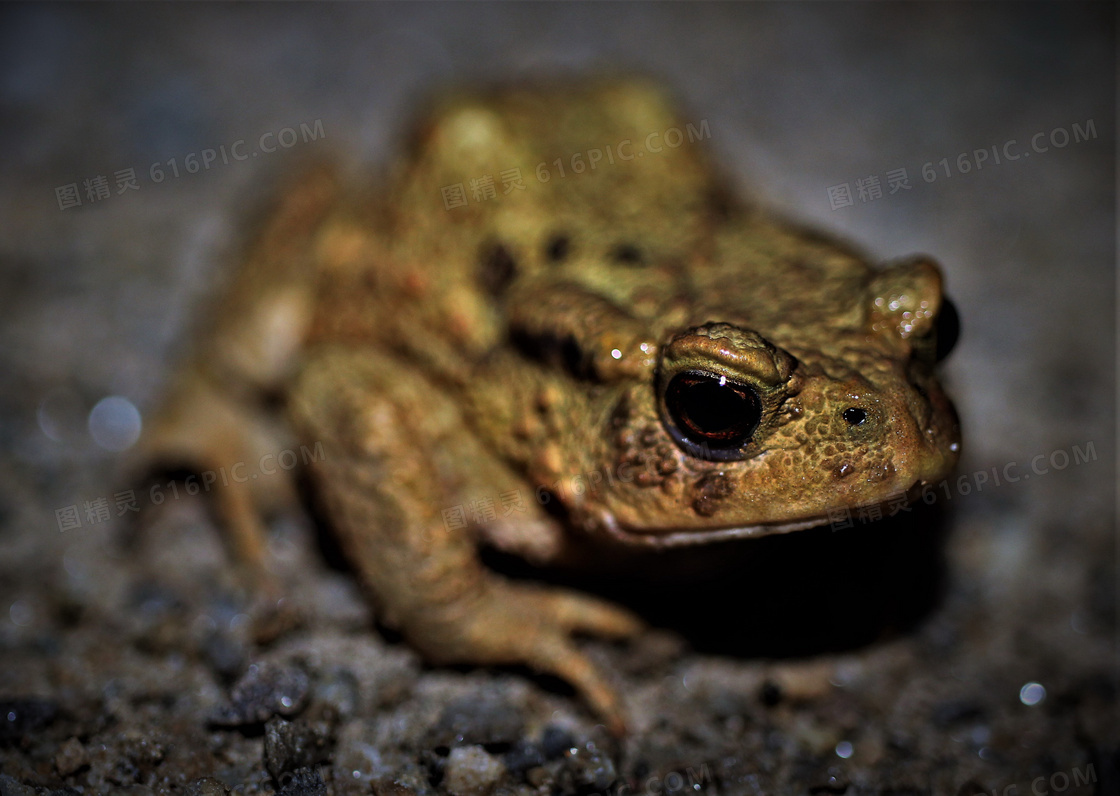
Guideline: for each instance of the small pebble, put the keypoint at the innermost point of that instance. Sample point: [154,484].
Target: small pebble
[471,771]
[587,769]
[225,653]
[264,691]
[338,687]
[291,745]
[478,718]
[523,756]
[207,786]
[555,742]
[71,757]
[303,782]
[10,786]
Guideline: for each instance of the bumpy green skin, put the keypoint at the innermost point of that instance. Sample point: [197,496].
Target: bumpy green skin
[521,344]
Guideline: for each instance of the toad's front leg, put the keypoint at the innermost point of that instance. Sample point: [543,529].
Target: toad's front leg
[396,453]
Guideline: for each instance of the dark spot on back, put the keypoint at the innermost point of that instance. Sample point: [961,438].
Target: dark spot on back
[557,248]
[721,203]
[497,268]
[620,415]
[627,254]
[562,352]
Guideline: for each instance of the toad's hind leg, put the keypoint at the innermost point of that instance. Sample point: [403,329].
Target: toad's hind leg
[222,444]
[396,455]
[214,419]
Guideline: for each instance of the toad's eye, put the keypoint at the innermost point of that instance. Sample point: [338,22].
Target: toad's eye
[710,416]
[948,329]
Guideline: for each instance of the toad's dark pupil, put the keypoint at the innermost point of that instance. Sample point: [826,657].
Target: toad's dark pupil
[854,415]
[709,413]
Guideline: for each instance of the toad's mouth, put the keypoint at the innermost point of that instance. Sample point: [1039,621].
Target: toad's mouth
[649,537]
[675,537]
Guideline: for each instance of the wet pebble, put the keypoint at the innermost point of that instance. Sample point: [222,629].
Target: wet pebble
[207,786]
[10,786]
[225,653]
[555,742]
[405,778]
[481,718]
[523,756]
[586,769]
[264,691]
[471,771]
[303,782]
[292,745]
[338,688]
[143,746]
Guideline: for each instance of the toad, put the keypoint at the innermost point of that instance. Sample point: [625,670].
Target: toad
[554,329]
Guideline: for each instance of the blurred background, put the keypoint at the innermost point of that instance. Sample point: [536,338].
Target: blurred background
[980,133]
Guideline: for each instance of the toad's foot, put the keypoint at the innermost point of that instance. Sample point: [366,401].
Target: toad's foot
[514,623]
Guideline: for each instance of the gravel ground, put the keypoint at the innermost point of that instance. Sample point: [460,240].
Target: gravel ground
[970,648]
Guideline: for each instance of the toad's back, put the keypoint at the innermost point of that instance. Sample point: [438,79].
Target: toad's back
[599,184]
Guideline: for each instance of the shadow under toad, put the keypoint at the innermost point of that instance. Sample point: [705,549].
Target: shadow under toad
[789,595]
